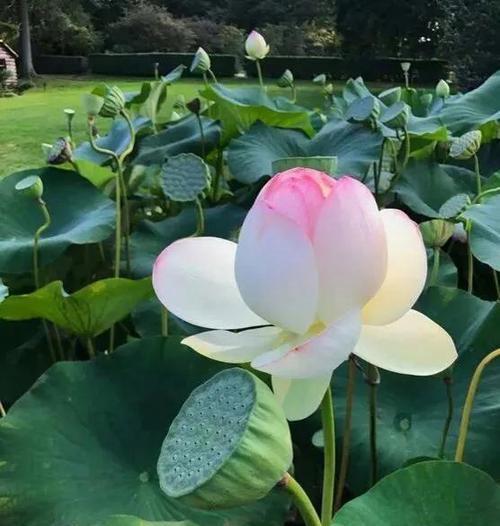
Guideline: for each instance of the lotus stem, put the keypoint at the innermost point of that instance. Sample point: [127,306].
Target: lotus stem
[346,439]
[205,79]
[2,410]
[328,421]
[294,93]
[202,135]
[478,175]
[164,321]
[497,285]
[219,167]
[378,170]
[469,402]
[448,381]
[90,347]
[373,380]
[470,261]
[435,267]
[212,75]
[200,219]
[301,500]
[259,73]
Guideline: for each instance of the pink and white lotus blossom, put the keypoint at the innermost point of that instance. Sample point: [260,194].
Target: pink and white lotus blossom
[318,273]
[256,47]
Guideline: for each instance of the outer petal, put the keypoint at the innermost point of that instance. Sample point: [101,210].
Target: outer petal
[232,347]
[300,398]
[350,248]
[413,344]
[315,356]
[406,270]
[194,278]
[276,270]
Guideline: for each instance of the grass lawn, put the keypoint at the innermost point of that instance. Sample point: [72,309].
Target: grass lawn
[36,117]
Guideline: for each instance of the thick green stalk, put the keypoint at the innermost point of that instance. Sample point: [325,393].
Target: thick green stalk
[470,261]
[164,321]
[495,281]
[328,421]
[435,267]
[259,73]
[301,500]
[469,402]
[479,185]
[346,439]
[202,135]
[200,219]
[373,380]
[212,75]
[90,347]
[2,410]
[448,381]
[219,168]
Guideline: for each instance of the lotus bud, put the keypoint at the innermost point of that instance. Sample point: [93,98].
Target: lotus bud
[442,89]
[31,186]
[92,104]
[286,80]
[60,152]
[405,66]
[201,62]
[466,146]
[256,47]
[320,79]
[436,232]
[194,106]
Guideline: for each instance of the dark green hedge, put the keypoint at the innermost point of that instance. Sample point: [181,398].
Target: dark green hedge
[60,64]
[372,69]
[142,64]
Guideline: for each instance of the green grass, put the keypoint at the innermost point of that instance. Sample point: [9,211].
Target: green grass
[37,117]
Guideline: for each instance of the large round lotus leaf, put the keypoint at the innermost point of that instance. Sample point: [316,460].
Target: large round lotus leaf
[434,493]
[411,411]
[150,238]
[82,445]
[80,214]
[128,520]
[184,177]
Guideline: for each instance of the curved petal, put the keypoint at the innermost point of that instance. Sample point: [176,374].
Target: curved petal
[350,248]
[194,278]
[275,269]
[232,347]
[315,356]
[406,270]
[413,344]
[300,398]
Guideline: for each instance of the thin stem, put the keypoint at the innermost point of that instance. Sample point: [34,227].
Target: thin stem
[164,321]
[469,402]
[497,285]
[448,380]
[435,267]
[219,167]
[126,219]
[294,93]
[478,175]
[200,219]
[373,380]
[118,220]
[212,75]
[378,170]
[2,410]
[90,347]
[328,422]
[38,233]
[470,261]
[50,344]
[301,500]
[346,439]
[259,73]
[205,79]
[202,135]
[59,343]
[130,147]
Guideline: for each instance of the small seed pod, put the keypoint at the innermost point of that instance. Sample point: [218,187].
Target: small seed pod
[201,61]
[194,106]
[436,232]
[60,152]
[397,116]
[466,146]
[286,80]
[228,446]
[390,96]
[31,186]
[113,103]
[442,89]
[320,79]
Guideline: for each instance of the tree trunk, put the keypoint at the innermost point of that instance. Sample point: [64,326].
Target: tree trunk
[27,68]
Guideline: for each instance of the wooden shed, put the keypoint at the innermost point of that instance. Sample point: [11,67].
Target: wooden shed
[8,59]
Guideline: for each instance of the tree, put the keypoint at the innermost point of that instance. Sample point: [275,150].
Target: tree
[27,68]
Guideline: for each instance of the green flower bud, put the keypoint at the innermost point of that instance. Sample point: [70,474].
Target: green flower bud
[442,89]
[436,232]
[60,152]
[228,446]
[320,79]
[31,186]
[201,61]
[286,80]
[466,146]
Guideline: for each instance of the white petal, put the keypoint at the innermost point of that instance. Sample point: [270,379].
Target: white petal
[350,248]
[406,270]
[413,344]
[300,398]
[194,279]
[314,356]
[276,270]
[232,347]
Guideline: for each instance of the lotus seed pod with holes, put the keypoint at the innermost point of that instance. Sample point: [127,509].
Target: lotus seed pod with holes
[442,89]
[60,152]
[286,79]
[390,96]
[397,116]
[466,146]
[31,186]
[436,232]
[114,102]
[201,61]
[229,445]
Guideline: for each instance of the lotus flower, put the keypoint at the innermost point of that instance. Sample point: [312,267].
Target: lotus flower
[256,46]
[318,273]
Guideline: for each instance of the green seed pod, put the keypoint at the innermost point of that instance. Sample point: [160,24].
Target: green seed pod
[201,62]
[31,186]
[194,106]
[390,96]
[436,232]
[442,89]
[466,146]
[60,152]
[397,116]
[286,80]
[114,100]
[320,79]
[92,104]
[405,66]
[228,446]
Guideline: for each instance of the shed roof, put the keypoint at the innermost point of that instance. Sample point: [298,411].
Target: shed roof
[8,48]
